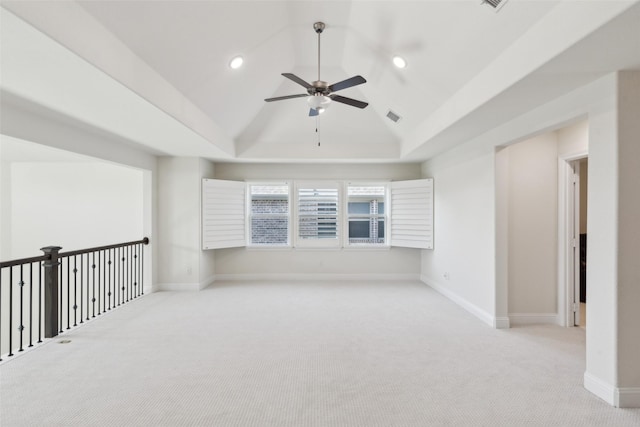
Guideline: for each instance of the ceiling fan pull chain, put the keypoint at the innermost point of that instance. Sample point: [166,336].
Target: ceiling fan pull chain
[317,131]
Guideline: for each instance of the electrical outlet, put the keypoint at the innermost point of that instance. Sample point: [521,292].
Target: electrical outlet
[189,270]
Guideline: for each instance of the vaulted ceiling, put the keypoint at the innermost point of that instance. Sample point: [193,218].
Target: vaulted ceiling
[469,69]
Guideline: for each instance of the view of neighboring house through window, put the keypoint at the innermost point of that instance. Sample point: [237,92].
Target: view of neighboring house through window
[269,214]
[366,214]
[318,222]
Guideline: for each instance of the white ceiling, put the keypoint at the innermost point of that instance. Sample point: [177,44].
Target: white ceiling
[465,63]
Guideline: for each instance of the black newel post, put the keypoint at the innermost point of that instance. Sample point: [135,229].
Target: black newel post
[51,291]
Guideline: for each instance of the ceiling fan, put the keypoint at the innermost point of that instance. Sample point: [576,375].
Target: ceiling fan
[320,94]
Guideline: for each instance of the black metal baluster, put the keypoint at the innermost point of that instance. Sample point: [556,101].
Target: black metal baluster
[31,305]
[142,269]
[109,278]
[81,290]
[21,327]
[104,281]
[0,315]
[123,272]
[10,311]
[87,293]
[129,267]
[116,277]
[40,267]
[75,290]
[60,298]
[93,296]
[68,293]
[101,282]
[136,271]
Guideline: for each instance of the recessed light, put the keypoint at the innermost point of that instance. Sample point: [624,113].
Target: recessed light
[399,62]
[236,62]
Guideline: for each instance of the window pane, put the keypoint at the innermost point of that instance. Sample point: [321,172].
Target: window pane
[269,214]
[365,207]
[318,213]
[269,231]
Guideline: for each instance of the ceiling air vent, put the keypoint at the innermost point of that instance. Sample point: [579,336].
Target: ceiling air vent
[393,116]
[496,4]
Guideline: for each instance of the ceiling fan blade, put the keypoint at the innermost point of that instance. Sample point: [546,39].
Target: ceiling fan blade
[297,80]
[313,113]
[349,101]
[280,98]
[353,81]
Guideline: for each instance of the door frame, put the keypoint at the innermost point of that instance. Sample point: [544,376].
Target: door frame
[569,238]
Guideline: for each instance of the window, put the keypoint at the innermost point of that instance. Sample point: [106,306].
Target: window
[318,221]
[269,214]
[366,217]
[396,213]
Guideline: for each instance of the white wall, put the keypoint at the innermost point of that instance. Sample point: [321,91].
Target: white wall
[611,106]
[307,263]
[532,228]
[182,263]
[206,169]
[73,205]
[462,264]
[5,205]
[628,271]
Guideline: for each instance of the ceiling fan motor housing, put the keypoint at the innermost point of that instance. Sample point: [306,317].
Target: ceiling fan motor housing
[319,88]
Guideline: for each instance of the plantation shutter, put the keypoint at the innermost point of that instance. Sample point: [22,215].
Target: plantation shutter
[412,213]
[223,214]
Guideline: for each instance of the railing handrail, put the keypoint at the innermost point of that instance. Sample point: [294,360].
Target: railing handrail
[15,262]
[40,258]
[102,248]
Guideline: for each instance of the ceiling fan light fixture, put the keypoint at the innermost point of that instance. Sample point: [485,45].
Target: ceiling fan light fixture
[236,62]
[399,62]
[319,102]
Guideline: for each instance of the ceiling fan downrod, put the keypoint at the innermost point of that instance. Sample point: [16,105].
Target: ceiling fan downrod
[319,28]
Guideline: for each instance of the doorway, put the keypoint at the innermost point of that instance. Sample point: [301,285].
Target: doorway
[583,167]
[575,260]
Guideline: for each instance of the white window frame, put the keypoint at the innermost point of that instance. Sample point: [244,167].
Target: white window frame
[249,216]
[345,190]
[318,243]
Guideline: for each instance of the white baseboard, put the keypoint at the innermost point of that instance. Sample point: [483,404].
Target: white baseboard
[470,307]
[317,277]
[627,397]
[620,397]
[533,318]
[600,388]
[208,281]
[180,287]
[501,323]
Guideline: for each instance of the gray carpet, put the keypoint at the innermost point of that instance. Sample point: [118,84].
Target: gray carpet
[303,354]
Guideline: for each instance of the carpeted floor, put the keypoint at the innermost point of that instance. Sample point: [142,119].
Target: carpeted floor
[303,354]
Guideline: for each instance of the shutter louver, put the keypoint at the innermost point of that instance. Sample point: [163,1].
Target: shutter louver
[318,213]
[412,213]
[223,214]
